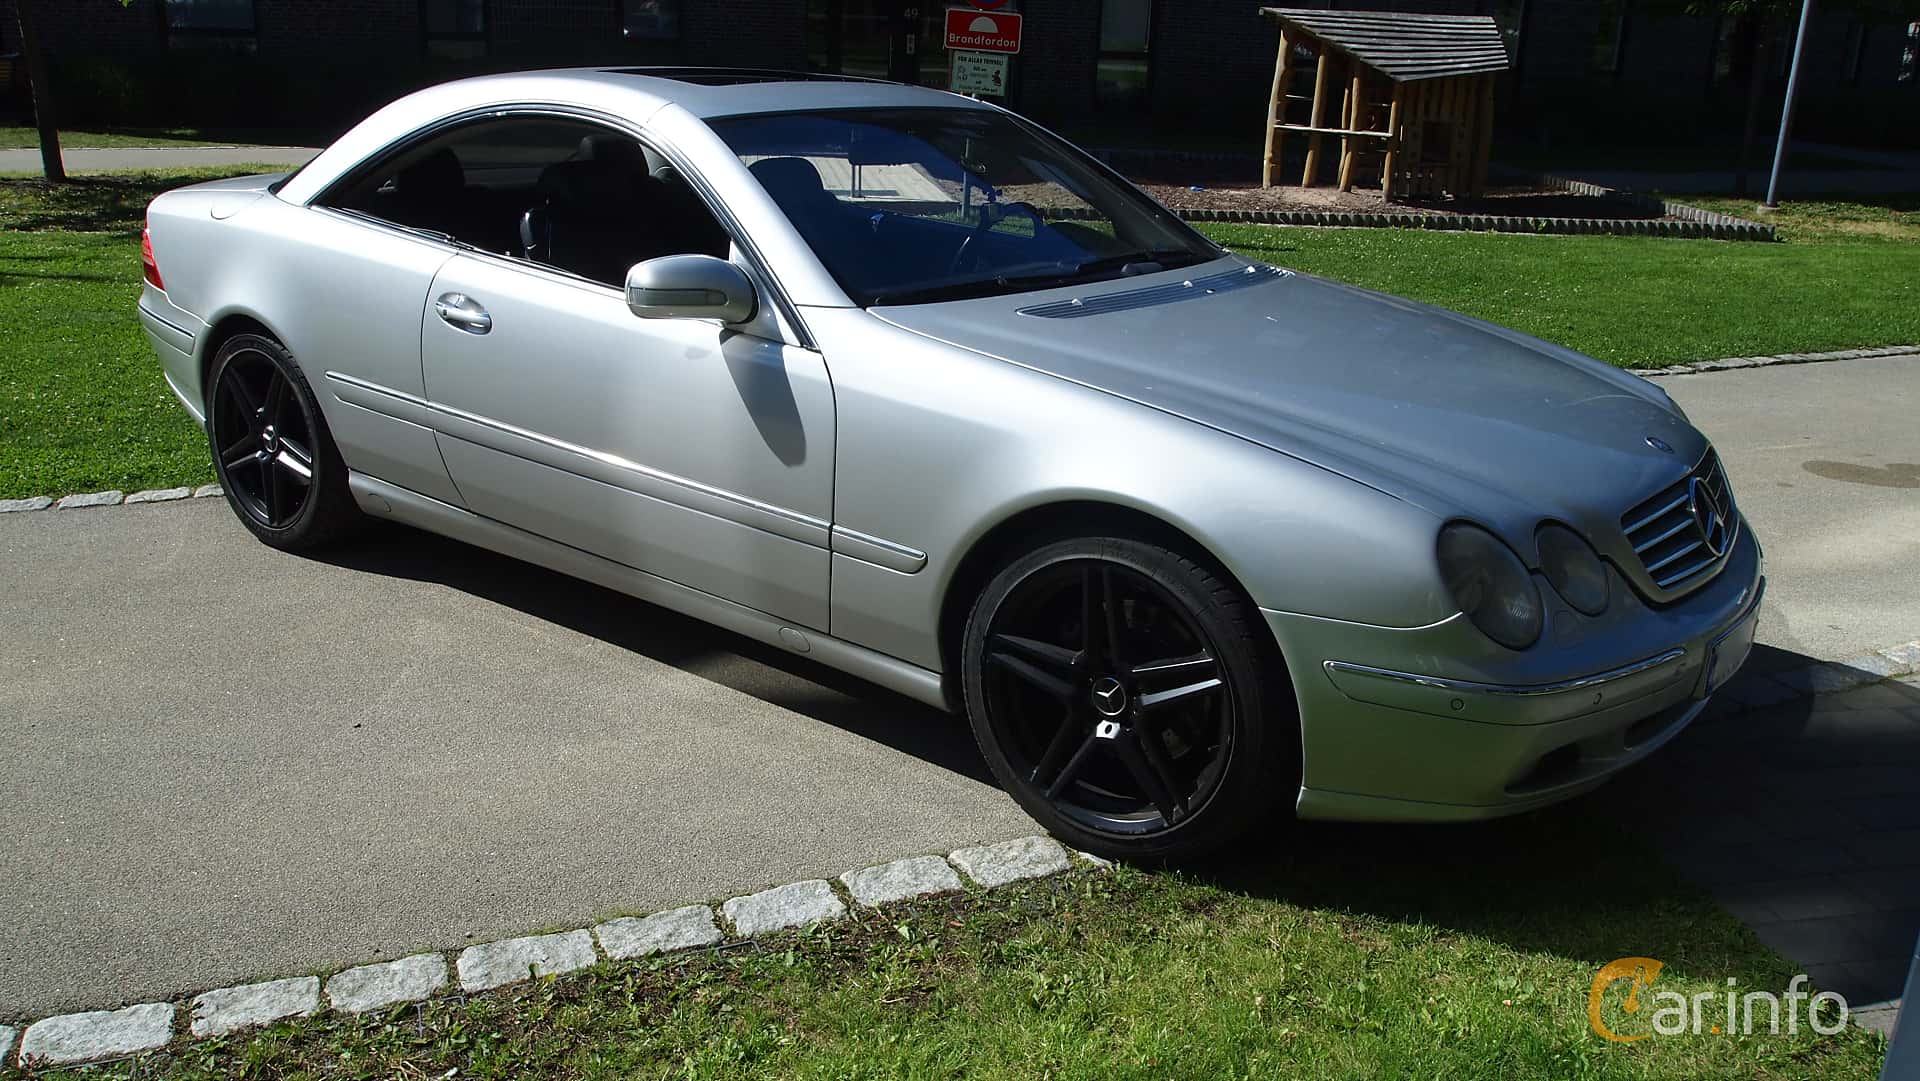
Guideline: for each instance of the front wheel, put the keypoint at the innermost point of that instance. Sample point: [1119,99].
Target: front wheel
[272,450]
[1129,699]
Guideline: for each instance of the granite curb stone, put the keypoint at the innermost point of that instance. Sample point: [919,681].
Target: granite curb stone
[370,987]
[796,904]
[160,495]
[663,932]
[918,876]
[230,1009]
[97,1034]
[91,499]
[1011,861]
[511,960]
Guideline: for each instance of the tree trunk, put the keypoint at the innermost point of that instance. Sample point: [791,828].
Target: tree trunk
[42,94]
[1756,93]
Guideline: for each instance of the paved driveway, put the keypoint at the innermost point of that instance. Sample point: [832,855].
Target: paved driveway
[112,159]
[1825,461]
[223,762]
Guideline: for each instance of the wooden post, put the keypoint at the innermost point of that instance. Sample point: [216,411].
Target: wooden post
[1483,141]
[1322,74]
[1393,142]
[1350,146]
[1277,108]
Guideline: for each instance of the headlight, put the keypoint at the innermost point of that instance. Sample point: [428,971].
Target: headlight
[1490,585]
[1573,569]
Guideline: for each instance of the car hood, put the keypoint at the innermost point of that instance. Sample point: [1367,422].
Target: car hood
[1448,412]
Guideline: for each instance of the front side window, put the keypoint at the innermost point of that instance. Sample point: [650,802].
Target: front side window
[564,194]
[913,205]
[219,16]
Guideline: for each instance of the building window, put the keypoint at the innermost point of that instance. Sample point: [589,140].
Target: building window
[1610,37]
[454,29]
[652,20]
[1120,78]
[210,16]
[1910,54]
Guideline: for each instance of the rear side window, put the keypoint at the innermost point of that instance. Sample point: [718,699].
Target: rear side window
[562,193]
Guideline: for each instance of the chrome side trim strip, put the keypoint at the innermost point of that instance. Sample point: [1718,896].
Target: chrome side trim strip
[386,500]
[878,551]
[1457,686]
[599,465]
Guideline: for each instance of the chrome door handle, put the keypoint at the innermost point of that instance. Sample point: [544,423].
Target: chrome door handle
[463,313]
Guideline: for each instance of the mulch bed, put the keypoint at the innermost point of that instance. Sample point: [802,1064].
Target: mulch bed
[1515,201]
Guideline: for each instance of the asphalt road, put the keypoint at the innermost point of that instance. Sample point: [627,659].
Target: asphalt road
[1825,463]
[222,763]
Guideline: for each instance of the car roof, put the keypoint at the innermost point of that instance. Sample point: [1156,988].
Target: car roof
[718,91]
[631,92]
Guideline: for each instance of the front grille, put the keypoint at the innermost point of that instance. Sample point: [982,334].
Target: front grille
[1667,532]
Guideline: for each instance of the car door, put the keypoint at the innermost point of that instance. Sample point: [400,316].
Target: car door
[331,262]
[681,447]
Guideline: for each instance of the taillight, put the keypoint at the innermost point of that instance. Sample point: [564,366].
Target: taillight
[149,268]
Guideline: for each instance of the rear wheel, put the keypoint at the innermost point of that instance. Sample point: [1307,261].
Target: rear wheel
[271,449]
[1128,699]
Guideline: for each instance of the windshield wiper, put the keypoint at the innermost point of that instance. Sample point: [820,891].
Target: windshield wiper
[1166,258]
[1065,274]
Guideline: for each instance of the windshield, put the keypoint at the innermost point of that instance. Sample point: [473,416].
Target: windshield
[907,206]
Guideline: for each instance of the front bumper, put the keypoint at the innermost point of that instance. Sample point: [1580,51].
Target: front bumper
[1386,739]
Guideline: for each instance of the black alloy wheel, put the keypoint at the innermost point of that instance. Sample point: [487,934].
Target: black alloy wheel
[271,448]
[1121,693]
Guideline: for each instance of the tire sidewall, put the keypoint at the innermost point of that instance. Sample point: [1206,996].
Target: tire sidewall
[1263,715]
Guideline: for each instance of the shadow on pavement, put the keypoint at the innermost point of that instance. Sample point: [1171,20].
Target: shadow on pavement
[723,657]
[1798,817]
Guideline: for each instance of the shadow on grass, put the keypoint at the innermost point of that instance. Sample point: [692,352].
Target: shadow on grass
[1586,880]
[100,204]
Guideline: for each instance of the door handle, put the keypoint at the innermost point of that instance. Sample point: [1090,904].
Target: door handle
[462,312]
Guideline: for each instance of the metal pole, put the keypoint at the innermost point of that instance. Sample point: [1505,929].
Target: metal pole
[1786,110]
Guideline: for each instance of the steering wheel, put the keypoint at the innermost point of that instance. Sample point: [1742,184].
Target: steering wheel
[991,214]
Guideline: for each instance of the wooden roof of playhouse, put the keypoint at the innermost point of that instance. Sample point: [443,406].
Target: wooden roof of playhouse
[1431,133]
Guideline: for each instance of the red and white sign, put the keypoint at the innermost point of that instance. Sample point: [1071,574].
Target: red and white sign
[983,31]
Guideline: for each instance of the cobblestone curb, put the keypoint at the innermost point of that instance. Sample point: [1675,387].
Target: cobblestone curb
[1728,364]
[97,1035]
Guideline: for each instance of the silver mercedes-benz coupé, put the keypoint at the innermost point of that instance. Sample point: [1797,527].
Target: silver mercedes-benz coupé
[899,381]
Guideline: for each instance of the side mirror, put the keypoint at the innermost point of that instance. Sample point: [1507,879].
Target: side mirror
[690,287]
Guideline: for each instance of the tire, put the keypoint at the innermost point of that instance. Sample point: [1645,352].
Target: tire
[275,457]
[1180,683]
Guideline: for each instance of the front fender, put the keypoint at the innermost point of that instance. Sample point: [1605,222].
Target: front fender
[937,446]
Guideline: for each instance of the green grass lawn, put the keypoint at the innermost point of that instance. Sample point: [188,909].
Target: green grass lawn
[83,408]
[1638,302]
[1346,952]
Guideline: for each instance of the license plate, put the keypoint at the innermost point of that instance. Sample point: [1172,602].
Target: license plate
[1729,652]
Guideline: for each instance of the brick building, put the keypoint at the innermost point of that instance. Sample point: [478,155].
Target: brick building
[1085,64]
